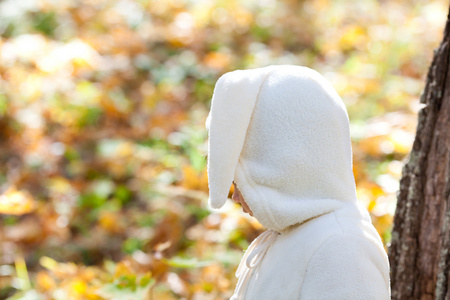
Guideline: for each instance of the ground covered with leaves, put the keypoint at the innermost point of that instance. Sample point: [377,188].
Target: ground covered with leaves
[102,109]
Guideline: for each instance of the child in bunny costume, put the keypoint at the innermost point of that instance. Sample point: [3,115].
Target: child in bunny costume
[281,134]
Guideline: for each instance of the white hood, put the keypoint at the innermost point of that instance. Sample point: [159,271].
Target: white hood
[282,134]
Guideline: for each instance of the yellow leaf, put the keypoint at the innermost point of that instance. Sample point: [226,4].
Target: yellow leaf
[382,223]
[371,205]
[48,263]
[15,202]
[353,36]
[194,180]
[123,268]
[108,220]
[78,287]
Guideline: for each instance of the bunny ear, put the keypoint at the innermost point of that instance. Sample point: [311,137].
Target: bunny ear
[234,99]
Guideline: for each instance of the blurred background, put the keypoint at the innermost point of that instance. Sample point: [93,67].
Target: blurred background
[102,109]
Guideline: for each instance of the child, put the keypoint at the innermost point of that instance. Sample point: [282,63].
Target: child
[281,135]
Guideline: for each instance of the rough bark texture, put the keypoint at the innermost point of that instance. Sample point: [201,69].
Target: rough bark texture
[420,249]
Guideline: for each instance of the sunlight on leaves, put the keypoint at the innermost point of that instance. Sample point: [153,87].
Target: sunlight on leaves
[16,202]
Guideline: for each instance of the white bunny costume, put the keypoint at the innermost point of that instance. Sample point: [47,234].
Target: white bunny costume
[282,134]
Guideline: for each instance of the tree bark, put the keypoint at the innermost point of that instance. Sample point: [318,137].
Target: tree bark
[419,253]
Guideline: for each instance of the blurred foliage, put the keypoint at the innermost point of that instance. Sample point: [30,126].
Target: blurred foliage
[102,105]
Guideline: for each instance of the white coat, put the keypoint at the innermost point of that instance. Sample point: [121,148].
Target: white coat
[282,134]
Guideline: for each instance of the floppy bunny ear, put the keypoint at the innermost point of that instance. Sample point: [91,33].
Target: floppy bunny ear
[234,99]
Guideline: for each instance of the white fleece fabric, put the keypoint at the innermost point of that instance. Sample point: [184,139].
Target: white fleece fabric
[282,134]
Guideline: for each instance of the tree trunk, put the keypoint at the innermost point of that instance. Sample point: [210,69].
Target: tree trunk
[420,249]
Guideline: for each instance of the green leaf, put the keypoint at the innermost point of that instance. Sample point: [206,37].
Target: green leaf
[45,22]
[187,263]
[123,194]
[131,245]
